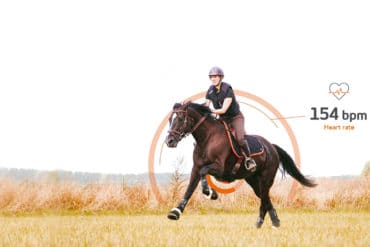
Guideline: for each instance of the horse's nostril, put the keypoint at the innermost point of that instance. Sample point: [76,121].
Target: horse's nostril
[169,141]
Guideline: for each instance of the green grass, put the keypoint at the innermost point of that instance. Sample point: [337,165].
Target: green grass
[299,228]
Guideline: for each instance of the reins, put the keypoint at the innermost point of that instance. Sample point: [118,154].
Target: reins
[198,124]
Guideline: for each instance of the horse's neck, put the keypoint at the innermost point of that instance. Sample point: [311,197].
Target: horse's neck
[204,131]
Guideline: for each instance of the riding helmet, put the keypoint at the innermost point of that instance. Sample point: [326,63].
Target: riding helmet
[216,71]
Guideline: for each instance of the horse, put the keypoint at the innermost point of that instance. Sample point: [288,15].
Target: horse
[213,155]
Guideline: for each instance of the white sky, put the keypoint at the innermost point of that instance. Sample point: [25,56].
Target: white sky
[85,84]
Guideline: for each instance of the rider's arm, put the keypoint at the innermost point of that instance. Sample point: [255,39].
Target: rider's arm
[225,106]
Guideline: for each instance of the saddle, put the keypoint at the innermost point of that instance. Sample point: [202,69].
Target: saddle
[255,146]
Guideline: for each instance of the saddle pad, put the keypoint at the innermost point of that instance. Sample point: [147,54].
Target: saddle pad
[255,146]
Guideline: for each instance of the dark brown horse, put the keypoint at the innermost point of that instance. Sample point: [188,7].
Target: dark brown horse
[213,155]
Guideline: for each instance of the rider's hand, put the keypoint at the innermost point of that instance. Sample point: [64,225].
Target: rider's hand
[214,115]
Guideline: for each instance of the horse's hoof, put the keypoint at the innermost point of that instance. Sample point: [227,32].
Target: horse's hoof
[174,214]
[274,218]
[276,224]
[207,192]
[211,195]
[259,222]
[214,195]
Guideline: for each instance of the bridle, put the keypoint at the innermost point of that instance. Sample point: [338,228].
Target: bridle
[179,134]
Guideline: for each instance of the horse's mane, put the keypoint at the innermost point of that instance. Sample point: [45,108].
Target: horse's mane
[200,108]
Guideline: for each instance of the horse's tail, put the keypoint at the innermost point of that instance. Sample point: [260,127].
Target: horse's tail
[290,167]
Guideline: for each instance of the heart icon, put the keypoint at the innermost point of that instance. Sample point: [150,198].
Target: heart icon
[339,89]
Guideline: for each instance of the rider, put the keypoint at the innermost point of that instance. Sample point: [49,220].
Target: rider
[225,105]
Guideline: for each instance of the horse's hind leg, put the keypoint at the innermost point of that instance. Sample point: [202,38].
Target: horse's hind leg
[253,182]
[261,189]
[267,205]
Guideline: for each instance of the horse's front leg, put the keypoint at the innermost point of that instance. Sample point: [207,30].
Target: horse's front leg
[206,189]
[175,213]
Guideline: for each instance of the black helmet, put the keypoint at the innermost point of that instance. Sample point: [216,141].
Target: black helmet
[216,71]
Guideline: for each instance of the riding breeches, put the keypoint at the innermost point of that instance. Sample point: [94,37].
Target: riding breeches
[237,123]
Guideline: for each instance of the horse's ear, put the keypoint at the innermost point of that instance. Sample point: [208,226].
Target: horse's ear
[176,105]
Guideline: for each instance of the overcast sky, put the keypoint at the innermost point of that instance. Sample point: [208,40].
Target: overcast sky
[84,85]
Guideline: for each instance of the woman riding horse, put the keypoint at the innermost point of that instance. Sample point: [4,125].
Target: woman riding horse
[222,97]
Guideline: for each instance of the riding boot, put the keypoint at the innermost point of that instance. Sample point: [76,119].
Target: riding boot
[249,163]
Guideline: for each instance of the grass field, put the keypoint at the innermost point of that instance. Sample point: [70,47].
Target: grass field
[299,228]
[47,213]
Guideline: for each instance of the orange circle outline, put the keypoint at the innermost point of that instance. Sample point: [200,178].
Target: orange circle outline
[237,92]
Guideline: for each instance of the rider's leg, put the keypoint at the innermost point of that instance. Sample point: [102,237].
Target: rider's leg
[238,124]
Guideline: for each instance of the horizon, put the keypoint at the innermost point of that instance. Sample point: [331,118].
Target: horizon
[278,174]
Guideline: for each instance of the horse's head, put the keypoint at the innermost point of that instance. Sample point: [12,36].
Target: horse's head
[181,124]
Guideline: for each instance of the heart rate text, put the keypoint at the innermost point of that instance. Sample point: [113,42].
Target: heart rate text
[325,113]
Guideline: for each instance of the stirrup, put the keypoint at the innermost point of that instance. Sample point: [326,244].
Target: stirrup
[250,164]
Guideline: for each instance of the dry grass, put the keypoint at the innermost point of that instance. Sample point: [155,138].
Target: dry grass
[336,213]
[29,197]
[338,228]
[25,197]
